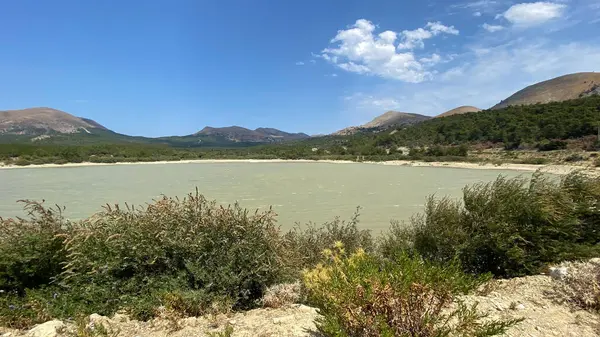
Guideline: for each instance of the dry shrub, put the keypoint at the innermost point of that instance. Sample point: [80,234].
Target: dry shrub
[581,286]
[281,295]
[365,295]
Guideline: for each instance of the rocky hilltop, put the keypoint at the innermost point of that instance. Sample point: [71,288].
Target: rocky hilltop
[459,111]
[558,89]
[42,120]
[385,121]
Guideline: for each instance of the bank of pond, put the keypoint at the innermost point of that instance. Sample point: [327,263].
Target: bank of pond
[192,256]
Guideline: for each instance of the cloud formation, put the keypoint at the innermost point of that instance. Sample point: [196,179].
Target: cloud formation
[359,49]
[490,75]
[535,13]
[492,28]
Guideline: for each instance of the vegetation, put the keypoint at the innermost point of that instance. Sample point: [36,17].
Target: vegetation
[365,295]
[543,127]
[509,227]
[188,257]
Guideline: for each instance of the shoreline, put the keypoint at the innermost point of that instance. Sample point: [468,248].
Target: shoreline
[549,168]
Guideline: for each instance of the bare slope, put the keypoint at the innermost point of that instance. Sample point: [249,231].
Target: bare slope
[459,111]
[555,90]
[40,120]
[387,120]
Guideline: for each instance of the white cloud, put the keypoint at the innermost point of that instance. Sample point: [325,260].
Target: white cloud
[434,59]
[492,28]
[438,28]
[414,39]
[359,49]
[482,80]
[299,63]
[535,13]
[479,7]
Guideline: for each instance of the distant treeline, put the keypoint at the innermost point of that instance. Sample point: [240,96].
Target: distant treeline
[542,126]
[516,126]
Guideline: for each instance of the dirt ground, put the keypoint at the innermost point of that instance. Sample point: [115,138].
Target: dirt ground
[532,298]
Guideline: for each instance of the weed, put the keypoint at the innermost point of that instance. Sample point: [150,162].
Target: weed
[364,295]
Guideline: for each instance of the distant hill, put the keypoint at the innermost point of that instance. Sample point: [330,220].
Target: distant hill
[385,121]
[51,126]
[38,121]
[558,89]
[243,135]
[459,111]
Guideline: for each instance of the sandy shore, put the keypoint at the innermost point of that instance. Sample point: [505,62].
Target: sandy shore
[555,169]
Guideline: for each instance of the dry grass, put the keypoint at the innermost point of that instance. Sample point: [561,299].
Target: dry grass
[281,295]
[581,286]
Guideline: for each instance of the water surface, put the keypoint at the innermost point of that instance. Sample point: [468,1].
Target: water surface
[298,192]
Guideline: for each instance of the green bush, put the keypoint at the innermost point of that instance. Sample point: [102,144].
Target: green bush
[307,243]
[574,158]
[190,256]
[365,295]
[31,250]
[190,244]
[550,145]
[509,227]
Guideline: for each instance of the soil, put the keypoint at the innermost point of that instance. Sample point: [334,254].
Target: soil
[532,298]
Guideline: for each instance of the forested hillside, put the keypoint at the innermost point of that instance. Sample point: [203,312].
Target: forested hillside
[542,126]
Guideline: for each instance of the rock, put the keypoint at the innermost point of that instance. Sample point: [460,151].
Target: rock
[8,334]
[120,318]
[48,329]
[189,321]
[305,308]
[559,273]
[284,319]
[520,306]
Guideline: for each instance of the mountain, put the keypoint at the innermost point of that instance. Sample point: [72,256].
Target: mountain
[39,121]
[558,89]
[459,111]
[239,134]
[385,121]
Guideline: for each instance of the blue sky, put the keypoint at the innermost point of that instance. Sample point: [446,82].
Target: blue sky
[159,68]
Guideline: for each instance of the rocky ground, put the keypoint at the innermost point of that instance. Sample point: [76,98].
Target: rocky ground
[546,312]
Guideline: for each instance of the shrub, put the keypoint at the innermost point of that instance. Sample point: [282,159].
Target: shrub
[281,295]
[363,295]
[551,145]
[192,245]
[308,243]
[190,256]
[581,286]
[574,158]
[31,250]
[510,227]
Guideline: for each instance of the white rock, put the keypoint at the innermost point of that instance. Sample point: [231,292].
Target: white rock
[559,273]
[520,307]
[121,318]
[284,319]
[8,334]
[48,329]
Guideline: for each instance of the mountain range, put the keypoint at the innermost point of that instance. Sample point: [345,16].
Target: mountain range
[55,126]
